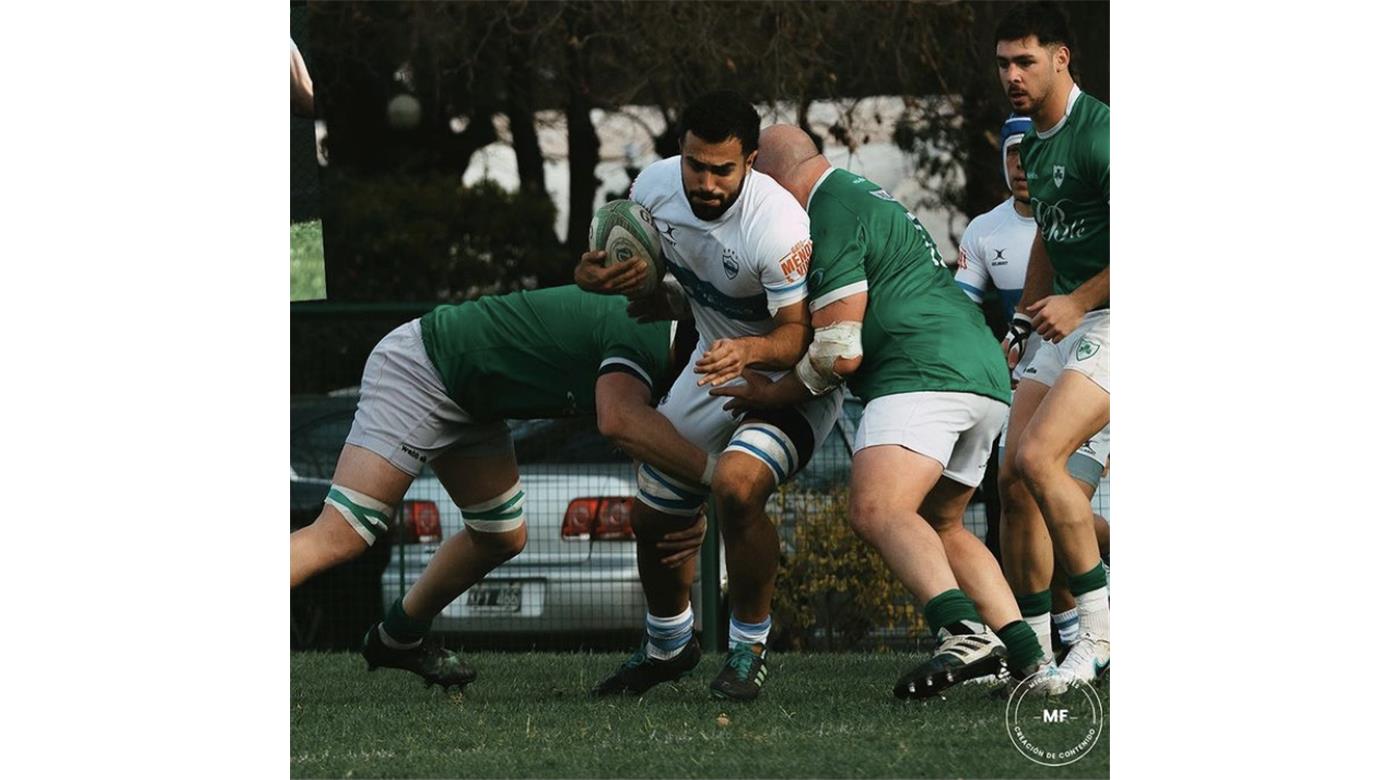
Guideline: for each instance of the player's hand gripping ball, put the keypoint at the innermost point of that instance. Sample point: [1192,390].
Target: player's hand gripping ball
[625,231]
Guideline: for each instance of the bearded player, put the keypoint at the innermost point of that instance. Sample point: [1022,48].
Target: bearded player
[737,246]
[993,253]
[1063,398]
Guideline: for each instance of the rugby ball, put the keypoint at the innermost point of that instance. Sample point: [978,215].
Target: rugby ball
[625,230]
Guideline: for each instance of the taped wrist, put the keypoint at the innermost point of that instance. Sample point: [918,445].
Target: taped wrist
[817,368]
[1021,330]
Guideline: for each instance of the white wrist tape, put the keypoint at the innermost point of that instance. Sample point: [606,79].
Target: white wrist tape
[1016,336]
[710,461]
[817,368]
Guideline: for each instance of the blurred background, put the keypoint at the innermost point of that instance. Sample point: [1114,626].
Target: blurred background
[460,149]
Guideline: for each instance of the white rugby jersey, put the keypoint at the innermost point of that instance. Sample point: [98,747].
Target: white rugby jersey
[737,270]
[995,250]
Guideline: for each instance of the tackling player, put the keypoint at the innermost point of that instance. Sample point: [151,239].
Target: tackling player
[890,321]
[993,253]
[437,391]
[1063,398]
[737,247]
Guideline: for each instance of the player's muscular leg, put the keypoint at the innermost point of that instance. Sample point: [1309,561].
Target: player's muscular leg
[469,555]
[667,588]
[1060,597]
[975,568]
[741,488]
[1028,557]
[885,513]
[331,539]
[1071,412]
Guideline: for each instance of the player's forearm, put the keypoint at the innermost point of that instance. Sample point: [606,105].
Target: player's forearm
[780,348]
[1040,276]
[1093,293]
[646,435]
[788,391]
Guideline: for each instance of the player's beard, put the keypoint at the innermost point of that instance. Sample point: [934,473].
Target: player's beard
[710,213]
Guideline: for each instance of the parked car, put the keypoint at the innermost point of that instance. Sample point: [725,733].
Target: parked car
[331,610]
[578,572]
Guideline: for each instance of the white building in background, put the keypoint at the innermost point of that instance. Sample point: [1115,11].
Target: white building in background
[870,123]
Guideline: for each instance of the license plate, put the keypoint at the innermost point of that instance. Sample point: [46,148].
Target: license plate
[495,597]
[503,598]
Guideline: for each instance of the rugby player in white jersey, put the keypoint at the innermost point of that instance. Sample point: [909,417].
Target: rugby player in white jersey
[994,252]
[737,246]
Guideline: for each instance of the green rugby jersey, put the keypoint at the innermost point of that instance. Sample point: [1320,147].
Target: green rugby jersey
[538,353]
[921,332]
[1067,172]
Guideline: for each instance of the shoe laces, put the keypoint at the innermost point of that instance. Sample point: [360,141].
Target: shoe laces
[1081,652]
[963,646]
[741,659]
[637,659]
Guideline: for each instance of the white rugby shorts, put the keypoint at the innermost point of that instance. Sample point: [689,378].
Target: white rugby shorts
[955,429]
[405,415]
[784,441]
[1084,350]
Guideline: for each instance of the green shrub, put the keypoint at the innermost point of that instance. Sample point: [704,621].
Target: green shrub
[833,589]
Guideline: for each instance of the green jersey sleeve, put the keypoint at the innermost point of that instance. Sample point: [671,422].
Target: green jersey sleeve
[838,256]
[642,350]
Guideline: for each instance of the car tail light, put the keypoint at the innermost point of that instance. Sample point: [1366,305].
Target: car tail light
[578,518]
[603,519]
[614,519]
[421,522]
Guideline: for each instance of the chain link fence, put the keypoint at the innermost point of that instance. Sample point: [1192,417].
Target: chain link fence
[576,584]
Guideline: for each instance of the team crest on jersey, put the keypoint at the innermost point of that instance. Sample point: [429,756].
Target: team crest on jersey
[882,195]
[1059,174]
[730,261]
[1086,349]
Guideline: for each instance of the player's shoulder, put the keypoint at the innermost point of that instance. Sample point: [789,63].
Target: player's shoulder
[990,220]
[657,181]
[1093,107]
[768,200]
[1091,114]
[770,214]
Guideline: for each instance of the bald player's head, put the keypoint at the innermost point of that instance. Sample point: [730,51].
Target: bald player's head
[788,154]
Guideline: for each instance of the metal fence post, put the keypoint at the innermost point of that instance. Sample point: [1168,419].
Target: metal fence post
[709,583]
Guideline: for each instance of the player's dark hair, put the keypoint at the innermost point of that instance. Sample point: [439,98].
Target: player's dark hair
[715,117]
[1046,21]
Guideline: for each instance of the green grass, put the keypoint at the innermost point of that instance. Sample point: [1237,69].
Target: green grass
[527,715]
[308,262]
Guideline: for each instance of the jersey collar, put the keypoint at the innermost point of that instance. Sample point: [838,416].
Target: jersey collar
[808,205]
[1074,94]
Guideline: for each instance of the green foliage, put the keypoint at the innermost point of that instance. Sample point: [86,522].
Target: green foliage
[833,589]
[308,262]
[529,715]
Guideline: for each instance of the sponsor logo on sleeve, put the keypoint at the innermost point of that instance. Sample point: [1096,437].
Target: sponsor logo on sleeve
[794,266]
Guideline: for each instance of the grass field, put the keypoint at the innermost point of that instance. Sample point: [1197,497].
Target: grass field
[308,262]
[527,715]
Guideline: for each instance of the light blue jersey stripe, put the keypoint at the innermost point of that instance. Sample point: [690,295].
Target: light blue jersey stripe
[763,456]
